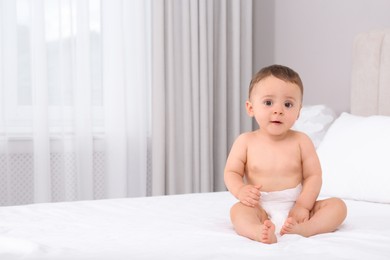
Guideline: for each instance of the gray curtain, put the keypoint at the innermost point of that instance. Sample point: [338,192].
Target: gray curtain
[201,68]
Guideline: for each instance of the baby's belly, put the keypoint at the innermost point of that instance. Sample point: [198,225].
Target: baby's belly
[275,183]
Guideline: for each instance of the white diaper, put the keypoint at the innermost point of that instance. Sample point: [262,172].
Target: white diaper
[278,204]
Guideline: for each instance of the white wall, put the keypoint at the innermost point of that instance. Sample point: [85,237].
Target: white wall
[315,38]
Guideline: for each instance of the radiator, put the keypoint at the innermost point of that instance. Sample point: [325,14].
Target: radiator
[17,177]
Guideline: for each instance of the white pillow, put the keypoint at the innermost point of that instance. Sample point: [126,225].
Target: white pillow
[315,121]
[355,158]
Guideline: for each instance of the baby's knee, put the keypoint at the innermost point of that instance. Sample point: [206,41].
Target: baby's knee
[239,209]
[339,203]
[339,206]
[236,208]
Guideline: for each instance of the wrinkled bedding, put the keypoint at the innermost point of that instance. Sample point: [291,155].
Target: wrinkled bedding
[192,226]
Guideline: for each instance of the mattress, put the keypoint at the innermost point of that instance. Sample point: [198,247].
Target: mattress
[191,226]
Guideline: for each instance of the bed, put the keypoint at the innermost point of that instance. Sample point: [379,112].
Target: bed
[193,226]
[353,149]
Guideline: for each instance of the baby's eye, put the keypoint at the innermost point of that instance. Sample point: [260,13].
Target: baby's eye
[288,104]
[268,102]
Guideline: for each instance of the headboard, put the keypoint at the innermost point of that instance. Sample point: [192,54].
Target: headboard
[370,83]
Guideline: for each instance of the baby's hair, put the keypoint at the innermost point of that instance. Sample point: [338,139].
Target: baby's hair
[278,71]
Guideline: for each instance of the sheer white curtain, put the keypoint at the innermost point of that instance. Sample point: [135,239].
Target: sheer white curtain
[202,65]
[74,106]
[77,78]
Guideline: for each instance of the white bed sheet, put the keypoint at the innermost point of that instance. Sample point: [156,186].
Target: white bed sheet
[192,226]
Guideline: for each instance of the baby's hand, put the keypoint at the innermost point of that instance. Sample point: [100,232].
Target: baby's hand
[249,195]
[299,213]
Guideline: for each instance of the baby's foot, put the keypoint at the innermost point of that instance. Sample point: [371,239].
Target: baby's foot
[267,234]
[291,227]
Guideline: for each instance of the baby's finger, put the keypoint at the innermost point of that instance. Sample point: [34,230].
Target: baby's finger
[258,187]
[246,203]
[252,202]
[255,202]
[255,191]
[255,197]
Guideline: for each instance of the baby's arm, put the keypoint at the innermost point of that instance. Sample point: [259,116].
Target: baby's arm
[312,180]
[234,173]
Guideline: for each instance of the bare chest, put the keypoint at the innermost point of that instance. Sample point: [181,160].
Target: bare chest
[273,160]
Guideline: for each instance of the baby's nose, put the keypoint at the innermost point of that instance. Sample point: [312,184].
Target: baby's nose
[278,111]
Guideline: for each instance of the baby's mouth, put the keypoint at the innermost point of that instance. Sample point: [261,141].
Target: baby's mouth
[276,122]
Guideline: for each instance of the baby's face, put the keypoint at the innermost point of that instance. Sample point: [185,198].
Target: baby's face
[275,104]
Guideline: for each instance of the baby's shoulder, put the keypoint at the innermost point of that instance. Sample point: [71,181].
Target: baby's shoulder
[302,138]
[245,138]
[299,135]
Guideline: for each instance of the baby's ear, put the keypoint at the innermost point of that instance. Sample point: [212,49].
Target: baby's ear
[249,108]
[299,113]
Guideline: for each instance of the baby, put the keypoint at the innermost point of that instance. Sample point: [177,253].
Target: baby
[274,171]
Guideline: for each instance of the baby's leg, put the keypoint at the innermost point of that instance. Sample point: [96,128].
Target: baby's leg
[326,216]
[252,223]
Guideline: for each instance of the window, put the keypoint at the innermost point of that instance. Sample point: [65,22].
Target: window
[61,35]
